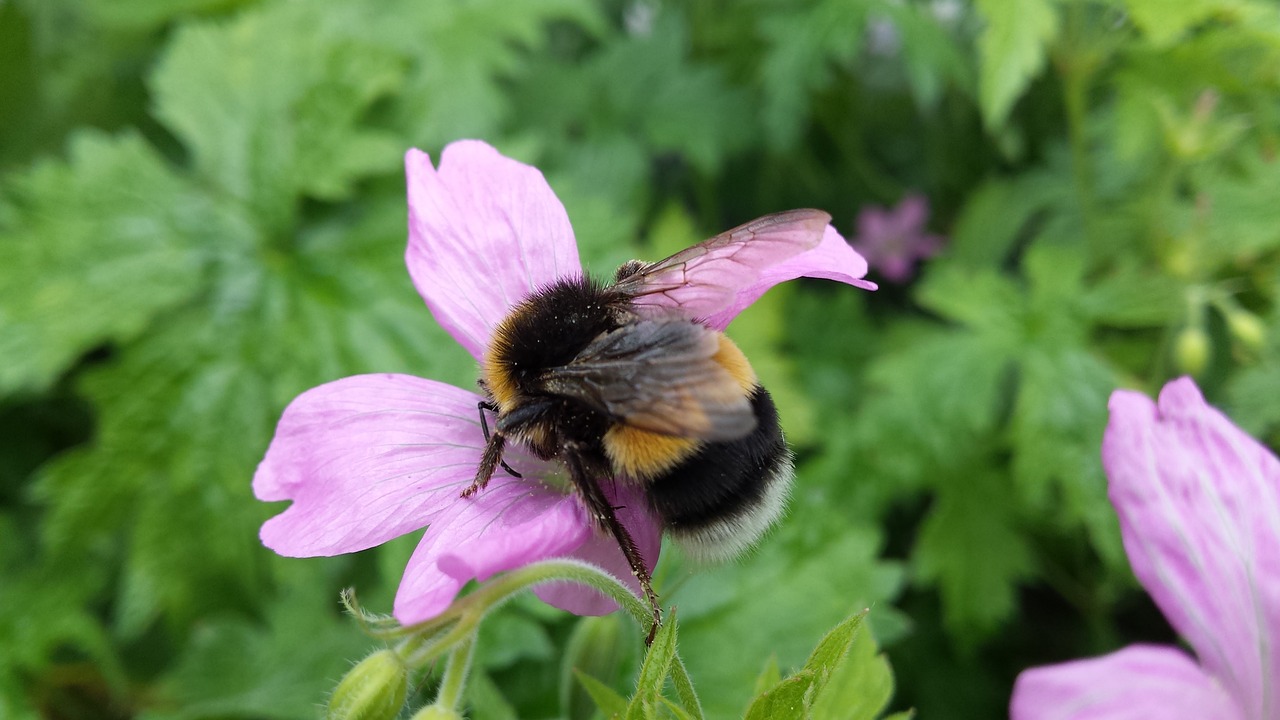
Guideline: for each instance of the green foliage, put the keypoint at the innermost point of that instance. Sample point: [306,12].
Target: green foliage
[1012,50]
[202,215]
[843,678]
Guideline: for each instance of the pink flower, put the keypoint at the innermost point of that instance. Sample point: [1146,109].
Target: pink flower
[368,458]
[1199,506]
[893,240]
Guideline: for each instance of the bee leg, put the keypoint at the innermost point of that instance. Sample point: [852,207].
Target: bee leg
[489,461]
[484,426]
[598,505]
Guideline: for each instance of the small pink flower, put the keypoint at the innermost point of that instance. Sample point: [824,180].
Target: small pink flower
[1199,506]
[893,240]
[366,459]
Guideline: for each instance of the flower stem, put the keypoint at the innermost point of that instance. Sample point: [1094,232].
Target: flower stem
[455,674]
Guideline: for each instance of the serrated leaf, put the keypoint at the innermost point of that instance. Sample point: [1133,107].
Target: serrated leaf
[1056,426]
[676,104]
[981,298]
[804,44]
[1165,22]
[971,548]
[280,668]
[1134,297]
[98,247]
[930,52]
[790,698]
[465,56]
[186,412]
[1012,49]
[775,602]
[859,686]
[610,703]
[996,215]
[269,105]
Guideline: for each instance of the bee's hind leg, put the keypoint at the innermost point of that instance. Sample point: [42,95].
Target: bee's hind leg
[602,510]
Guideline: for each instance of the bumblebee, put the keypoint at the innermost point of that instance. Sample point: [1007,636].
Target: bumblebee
[625,382]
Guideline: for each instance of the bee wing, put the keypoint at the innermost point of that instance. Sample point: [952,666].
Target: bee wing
[660,376]
[705,278]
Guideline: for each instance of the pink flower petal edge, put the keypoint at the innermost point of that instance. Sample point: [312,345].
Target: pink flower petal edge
[1199,506]
[1137,683]
[485,231]
[602,551]
[366,459]
[510,524]
[832,259]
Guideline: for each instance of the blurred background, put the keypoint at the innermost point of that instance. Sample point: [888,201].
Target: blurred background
[202,214]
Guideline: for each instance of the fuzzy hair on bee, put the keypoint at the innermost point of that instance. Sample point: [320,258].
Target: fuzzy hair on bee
[623,381]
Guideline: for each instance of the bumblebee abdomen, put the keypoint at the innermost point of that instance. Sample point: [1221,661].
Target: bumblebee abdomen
[722,499]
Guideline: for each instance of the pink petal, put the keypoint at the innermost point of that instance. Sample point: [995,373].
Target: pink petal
[509,524]
[484,232]
[366,459]
[603,551]
[911,214]
[1199,506]
[833,259]
[1137,683]
[874,227]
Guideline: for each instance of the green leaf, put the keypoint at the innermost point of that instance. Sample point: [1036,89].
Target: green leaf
[799,583]
[97,248]
[465,58]
[981,298]
[485,700]
[833,648]
[996,216]
[1241,228]
[1012,49]
[45,609]
[930,52]
[186,412]
[597,648]
[770,676]
[803,45]
[970,546]
[1135,297]
[656,666]
[508,636]
[677,105]
[1057,422]
[280,668]
[1165,22]
[860,685]
[610,703]
[788,699]
[269,106]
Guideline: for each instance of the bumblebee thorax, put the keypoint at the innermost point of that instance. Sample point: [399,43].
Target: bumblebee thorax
[546,330]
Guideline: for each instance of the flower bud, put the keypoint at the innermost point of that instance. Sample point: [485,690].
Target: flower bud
[1191,350]
[1247,328]
[436,712]
[373,690]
